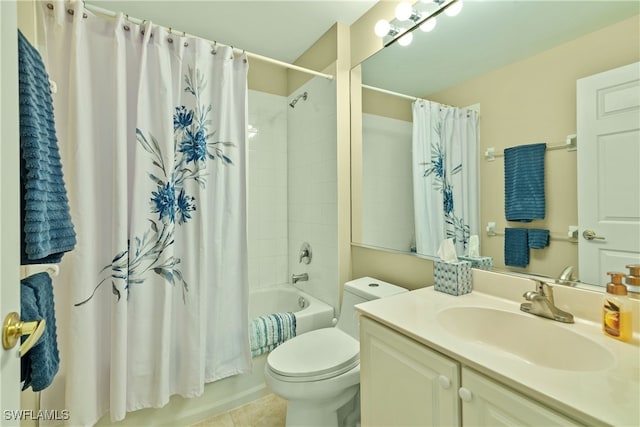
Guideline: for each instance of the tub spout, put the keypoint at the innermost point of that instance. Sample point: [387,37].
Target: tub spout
[295,278]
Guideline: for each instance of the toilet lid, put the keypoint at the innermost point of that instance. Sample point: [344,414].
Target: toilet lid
[319,354]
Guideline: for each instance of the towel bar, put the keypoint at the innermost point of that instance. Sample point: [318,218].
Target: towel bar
[31,269]
[571,144]
[492,233]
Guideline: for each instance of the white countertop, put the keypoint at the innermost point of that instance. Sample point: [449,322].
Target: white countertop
[607,396]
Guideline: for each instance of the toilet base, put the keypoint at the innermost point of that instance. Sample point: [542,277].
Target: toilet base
[338,411]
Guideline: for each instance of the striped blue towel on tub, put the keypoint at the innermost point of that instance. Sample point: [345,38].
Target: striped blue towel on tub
[268,332]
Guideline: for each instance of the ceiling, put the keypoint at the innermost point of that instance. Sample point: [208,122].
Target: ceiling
[485,36]
[281,30]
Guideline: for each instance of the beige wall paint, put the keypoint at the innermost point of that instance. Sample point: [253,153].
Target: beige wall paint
[266,77]
[319,56]
[526,102]
[343,70]
[277,80]
[381,104]
[408,271]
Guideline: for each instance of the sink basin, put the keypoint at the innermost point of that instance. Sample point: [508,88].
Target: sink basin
[536,340]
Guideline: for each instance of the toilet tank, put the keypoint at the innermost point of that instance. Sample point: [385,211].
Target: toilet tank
[358,291]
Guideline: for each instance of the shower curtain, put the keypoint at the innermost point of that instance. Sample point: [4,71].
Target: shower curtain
[445,175]
[154,300]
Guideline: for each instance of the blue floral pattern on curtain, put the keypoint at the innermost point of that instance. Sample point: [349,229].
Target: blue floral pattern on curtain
[444,147]
[456,227]
[193,149]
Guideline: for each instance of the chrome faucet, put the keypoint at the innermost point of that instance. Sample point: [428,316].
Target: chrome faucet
[542,303]
[295,278]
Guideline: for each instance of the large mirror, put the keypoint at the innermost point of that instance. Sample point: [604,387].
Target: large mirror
[518,62]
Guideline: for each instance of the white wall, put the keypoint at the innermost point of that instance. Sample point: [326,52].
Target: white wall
[267,190]
[387,185]
[313,194]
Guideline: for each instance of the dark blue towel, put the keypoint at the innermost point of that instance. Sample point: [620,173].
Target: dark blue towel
[516,247]
[524,198]
[41,363]
[538,238]
[47,230]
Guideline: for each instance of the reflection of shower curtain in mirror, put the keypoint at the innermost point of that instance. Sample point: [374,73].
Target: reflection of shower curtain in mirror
[154,300]
[445,175]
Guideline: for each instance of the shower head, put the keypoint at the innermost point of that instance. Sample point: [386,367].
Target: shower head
[304,97]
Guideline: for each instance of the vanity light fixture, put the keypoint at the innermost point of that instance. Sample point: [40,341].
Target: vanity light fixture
[383,29]
[406,39]
[423,17]
[428,25]
[454,9]
[406,12]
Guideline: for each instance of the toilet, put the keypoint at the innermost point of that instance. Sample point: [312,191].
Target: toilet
[318,372]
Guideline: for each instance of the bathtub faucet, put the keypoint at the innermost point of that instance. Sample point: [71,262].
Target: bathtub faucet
[295,278]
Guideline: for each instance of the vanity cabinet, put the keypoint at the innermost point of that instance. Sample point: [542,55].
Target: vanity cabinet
[403,383]
[486,402]
[406,383]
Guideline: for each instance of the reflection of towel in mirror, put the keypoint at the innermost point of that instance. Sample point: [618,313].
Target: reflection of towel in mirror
[268,332]
[40,364]
[524,198]
[516,247]
[538,238]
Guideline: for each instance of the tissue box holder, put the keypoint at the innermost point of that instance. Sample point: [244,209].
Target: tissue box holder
[483,262]
[452,277]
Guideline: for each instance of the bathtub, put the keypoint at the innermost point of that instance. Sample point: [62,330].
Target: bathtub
[231,392]
[310,312]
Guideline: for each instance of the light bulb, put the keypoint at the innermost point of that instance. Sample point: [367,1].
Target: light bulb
[406,39]
[454,8]
[403,11]
[428,25]
[382,28]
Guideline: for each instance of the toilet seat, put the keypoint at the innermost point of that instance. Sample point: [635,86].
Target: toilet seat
[315,355]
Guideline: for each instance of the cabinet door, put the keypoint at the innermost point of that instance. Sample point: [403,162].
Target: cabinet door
[403,383]
[487,403]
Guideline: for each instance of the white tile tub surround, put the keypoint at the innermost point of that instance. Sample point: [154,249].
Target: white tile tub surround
[267,190]
[387,184]
[312,179]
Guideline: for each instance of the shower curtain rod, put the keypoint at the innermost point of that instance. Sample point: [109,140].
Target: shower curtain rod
[389,92]
[110,13]
[402,95]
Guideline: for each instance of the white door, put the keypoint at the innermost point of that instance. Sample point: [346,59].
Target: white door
[608,119]
[9,208]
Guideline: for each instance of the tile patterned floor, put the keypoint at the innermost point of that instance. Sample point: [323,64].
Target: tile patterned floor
[268,411]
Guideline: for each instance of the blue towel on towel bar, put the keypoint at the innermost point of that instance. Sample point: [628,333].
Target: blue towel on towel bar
[538,238]
[524,198]
[268,332]
[40,364]
[516,247]
[47,231]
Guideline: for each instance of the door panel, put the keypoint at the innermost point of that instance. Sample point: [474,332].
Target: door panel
[608,106]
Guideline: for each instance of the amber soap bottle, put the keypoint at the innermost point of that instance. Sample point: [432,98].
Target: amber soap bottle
[616,310]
